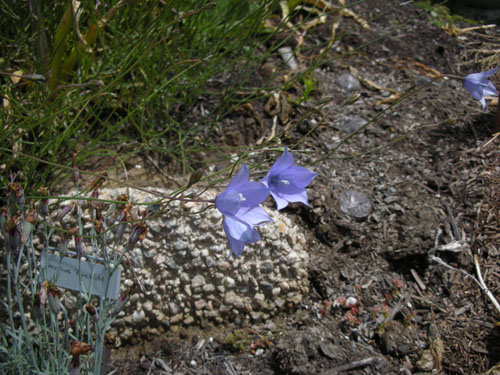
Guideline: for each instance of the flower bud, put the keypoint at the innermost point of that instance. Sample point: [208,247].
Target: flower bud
[53,295]
[90,308]
[28,224]
[12,231]
[195,177]
[15,195]
[122,301]
[66,210]
[138,234]
[78,246]
[43,207]
[63,244]
[78,241]
[95,195]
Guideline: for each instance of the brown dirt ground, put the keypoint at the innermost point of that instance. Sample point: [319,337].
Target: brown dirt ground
[435,182]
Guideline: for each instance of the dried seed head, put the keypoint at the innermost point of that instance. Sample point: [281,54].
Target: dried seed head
[109,340]
[78,348]
[52,289]
[91,309]
[123,198]
[15,194]
[53,295]
[98,226]
[30,217]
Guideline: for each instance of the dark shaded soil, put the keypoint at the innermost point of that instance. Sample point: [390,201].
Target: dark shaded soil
[431,172]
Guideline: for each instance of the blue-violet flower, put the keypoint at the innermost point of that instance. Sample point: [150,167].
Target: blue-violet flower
[479,85]
[287,182]
[239,204]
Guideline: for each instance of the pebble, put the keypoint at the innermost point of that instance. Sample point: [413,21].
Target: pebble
[286,54]
[350,124]
[355,203]
[197,282]
[266,267]
[138,316]
[348,83]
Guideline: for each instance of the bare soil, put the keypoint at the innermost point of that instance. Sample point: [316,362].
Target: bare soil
[434,183]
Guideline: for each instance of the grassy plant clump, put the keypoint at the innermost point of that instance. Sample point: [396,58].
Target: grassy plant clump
[123,76]
[47,329]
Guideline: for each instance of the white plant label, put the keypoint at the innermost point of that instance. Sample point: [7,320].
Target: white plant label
[81,275]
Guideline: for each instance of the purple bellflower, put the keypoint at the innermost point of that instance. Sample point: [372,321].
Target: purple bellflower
[239,204]
[287,182]
[479,85]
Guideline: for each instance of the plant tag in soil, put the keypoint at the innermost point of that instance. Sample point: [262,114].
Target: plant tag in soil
[81,275]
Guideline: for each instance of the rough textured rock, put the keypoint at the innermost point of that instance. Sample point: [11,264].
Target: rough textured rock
[188,278]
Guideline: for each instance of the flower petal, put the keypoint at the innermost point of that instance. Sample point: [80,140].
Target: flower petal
[238,229]
[490,89]
[228,202]
[475,78]
[235,245]
[284,161]
[298,176]
[253,216]
[490,72]
[301,197]
[254,193]
[280,202]
[239,178]
[474,88]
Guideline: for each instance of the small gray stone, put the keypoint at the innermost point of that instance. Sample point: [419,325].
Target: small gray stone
[266,267]
[266,287]
[197,282]
[137,258]
[355,203]
[328,349]
[138,316]
[200,304]
[209,262]
[288,57]
[173,265]
[229,282]
[350,124]
[174,308]
[348,83]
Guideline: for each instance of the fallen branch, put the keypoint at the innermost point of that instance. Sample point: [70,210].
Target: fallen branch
[479,282]
[352,365]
